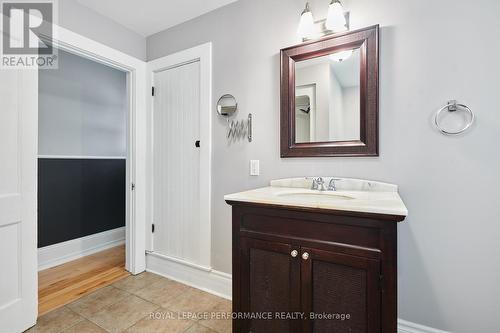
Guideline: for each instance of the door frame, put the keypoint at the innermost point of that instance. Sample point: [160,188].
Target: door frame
[203,54]
[135,69]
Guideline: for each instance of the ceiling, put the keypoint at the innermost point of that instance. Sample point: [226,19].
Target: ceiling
[346,72]
[147,17]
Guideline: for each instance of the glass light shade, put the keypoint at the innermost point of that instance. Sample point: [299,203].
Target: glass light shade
[306,25]
[335,19]
[341,56]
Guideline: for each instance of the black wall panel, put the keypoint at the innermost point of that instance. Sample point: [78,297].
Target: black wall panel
[79,197]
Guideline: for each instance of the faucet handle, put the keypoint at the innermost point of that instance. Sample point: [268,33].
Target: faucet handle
[320,184]
[314,185]
[331,184]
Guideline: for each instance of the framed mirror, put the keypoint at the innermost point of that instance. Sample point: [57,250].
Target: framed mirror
[329,96]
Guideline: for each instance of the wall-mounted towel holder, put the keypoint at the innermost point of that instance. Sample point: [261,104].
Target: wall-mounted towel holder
[453,106]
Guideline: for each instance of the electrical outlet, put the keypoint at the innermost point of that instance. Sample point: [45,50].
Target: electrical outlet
[254,168]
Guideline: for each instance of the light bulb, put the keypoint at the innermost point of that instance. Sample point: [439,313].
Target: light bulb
[341,56]
[306,25]
[335,19]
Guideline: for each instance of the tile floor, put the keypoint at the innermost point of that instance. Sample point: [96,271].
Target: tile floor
[145,303]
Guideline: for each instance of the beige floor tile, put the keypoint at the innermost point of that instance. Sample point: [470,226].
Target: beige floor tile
[193,301]
[56,321]
[162,291]
[161,321]
[121,315]
[113,309]
[91,304]
[199,329]
[136,282]
[219,317]
[85,326]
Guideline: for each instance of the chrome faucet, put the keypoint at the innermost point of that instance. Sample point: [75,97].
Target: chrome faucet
[318,184]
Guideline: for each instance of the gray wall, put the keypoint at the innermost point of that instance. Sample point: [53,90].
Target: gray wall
[86,22]
[431,51]
[82,109]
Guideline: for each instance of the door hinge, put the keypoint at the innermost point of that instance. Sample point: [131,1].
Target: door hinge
[152,91]
[153,228]
[132,186]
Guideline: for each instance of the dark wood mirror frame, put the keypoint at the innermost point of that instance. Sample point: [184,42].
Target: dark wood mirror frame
[367,41]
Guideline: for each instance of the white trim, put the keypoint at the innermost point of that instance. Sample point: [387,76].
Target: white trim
[180,261]
[203,54]
[409,327]
[71,157]
[209,280]
[57,254]
[136,139]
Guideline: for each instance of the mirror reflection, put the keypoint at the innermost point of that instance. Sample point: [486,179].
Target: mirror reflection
[327,98]
[227,105]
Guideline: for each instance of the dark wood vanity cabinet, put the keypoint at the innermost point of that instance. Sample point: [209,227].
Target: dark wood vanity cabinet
[311,270]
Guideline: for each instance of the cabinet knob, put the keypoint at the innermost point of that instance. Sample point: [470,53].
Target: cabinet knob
[294,253]
[305,255]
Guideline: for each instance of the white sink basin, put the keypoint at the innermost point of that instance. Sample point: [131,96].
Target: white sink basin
[354,195]
[315,195]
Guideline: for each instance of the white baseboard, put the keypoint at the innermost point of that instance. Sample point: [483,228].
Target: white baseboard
[219,283]
[206,279]
[409,327]
[60,253]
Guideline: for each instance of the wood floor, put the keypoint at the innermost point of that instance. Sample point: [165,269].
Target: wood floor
[65,283]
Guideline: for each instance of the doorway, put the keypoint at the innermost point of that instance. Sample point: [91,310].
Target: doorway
[82,167]
[18,220]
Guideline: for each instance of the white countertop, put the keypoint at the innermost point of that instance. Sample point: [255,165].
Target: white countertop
[354,195]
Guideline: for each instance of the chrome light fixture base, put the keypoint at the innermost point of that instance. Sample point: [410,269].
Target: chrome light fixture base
[324,31]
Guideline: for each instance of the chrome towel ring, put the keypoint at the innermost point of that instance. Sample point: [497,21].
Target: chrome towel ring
[453,106]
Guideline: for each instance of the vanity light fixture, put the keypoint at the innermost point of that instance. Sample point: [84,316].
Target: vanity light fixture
[335,19]
[306,24]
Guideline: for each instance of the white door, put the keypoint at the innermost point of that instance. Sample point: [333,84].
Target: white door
[181,228]
[18,249]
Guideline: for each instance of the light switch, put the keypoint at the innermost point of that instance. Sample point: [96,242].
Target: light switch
[254,168]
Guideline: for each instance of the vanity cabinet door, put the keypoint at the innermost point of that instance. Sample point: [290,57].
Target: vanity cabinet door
[338,285]
[270,284]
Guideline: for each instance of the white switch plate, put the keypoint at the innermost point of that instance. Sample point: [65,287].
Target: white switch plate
[254,168]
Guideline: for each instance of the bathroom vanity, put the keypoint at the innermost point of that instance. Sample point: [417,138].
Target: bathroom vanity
[321,260]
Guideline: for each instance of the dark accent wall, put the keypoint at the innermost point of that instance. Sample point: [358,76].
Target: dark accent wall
[79,197]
